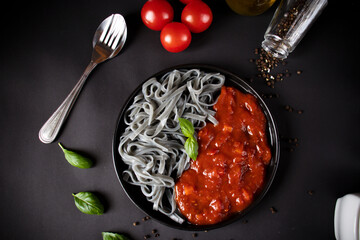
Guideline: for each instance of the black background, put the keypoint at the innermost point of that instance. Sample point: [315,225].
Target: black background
[45,48]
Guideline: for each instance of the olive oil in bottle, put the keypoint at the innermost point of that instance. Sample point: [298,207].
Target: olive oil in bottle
[250,7]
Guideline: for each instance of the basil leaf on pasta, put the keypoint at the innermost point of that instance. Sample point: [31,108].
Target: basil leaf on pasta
[186,127]
[191,147]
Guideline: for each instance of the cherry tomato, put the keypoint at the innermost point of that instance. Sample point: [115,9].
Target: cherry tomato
[175,37]
[197,16]
[156,14]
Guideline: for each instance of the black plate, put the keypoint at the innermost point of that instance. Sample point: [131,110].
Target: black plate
[134,192]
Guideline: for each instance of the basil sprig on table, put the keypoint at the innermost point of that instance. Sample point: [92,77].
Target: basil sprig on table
[113,236]
[191,145]
[88,203]
[76,159]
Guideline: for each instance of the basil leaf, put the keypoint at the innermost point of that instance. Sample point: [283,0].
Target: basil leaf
[191,147]
[113,236]
[76,159]
[88,203]
[186,127]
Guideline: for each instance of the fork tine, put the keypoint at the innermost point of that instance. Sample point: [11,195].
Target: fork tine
[106,28]
[116,30]
[110,32]
[121,32]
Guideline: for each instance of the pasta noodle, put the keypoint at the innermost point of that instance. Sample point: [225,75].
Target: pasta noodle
[152,144]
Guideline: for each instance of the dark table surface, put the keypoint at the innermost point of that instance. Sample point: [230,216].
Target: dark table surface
[45,49]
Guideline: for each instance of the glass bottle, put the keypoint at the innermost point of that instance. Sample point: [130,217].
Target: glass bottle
[250,7]
[289,24]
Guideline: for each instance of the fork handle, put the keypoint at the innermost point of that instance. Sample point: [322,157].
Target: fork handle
[51,128]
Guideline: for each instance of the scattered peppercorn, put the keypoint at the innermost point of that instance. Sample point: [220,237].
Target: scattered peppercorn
[145,218]
[298,72]
[270,95]
[292,143]
[147,236]
[291,109]
[264,64]
[273,210]
[194,235]
[157,235]
[135,223]
[311,192]
[154,231]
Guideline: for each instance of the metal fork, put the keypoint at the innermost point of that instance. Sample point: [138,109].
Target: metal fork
[108,40]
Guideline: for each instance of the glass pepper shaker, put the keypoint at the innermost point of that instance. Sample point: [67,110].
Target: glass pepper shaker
[289,24]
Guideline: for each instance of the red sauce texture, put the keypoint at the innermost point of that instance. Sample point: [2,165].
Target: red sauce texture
[230,167]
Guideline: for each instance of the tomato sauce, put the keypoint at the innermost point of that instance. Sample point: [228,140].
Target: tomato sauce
[231,163]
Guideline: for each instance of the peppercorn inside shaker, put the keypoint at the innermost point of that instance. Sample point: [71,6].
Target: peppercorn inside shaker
[291,21]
